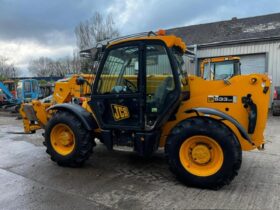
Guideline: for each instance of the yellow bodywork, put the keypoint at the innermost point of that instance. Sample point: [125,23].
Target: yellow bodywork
[67,88]
[170,41]
[200,92]
[239,86]
[35,114]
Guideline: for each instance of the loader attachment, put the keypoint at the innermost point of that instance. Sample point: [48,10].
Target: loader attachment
[34,115]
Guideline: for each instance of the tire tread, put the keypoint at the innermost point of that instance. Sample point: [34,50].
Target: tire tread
[203,124]
[84,148]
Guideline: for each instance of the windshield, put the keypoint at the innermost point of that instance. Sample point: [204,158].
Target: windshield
[121,67]
[218,71]
[182,71]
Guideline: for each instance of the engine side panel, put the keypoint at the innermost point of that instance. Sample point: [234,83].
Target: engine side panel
[226,96]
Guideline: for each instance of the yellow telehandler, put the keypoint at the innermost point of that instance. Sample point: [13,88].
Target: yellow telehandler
[35,114]
[142,98]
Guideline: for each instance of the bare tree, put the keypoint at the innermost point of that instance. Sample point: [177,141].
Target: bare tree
[96,29]
[40,67]
[76,61]
[7,69]
[45,66]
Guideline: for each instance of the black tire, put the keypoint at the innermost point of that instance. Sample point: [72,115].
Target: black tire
[216,130]
[84,140]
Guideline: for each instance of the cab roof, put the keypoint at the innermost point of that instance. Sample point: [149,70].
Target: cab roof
[169,40]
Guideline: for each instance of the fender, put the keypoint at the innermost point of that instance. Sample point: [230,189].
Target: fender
[224,116]
[86,118]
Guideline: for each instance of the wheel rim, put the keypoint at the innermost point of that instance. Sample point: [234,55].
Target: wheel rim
[62,139]
[201,155]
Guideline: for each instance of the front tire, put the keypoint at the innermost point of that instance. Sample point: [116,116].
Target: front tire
[204,153]
[67,141]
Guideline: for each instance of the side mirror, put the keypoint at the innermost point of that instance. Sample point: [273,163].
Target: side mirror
[80,81]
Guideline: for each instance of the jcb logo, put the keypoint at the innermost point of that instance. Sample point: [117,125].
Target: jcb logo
[119,112]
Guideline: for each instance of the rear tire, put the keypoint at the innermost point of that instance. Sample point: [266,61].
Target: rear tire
[203,152]
[67,141]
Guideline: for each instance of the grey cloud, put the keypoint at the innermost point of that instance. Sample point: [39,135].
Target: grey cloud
[177,13]
[52,22]
[41,20]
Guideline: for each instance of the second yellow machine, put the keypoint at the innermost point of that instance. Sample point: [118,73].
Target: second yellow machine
[142,98]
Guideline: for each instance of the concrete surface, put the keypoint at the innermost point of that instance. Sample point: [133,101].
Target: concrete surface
[122,180]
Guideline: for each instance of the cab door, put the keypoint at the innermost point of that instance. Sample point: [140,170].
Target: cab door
[137,86]
[117,98]
[162,90]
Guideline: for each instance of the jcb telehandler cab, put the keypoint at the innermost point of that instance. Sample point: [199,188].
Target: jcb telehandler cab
[141,98]
[220,68]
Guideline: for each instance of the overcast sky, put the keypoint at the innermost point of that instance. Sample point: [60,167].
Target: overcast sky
[34,28]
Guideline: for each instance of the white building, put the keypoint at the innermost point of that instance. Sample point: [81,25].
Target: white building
[256,40]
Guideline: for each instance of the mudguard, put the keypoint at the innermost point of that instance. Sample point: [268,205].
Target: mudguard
[224,116]
[86,117]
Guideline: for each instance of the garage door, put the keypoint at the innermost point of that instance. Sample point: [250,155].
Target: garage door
[253,63]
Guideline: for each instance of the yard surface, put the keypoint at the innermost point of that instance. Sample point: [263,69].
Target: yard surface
[122,180]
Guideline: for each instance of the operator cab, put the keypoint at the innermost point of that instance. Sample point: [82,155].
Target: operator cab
[221,70]
[28,89]
[138,84]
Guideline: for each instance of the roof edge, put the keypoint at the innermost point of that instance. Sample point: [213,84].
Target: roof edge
[222,21]
[233,42]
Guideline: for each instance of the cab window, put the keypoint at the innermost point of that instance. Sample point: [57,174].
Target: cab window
[19,89]
[120,71]
[27,86]
[159,81]
[34,86]
[218,71]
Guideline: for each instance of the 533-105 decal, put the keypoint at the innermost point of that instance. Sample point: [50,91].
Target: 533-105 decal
[221,99]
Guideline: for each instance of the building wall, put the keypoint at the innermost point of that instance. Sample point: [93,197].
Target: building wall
[272,50]
[189,65]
